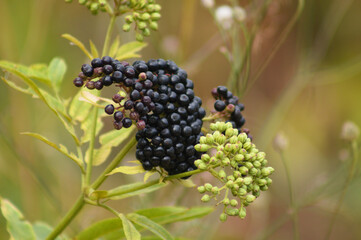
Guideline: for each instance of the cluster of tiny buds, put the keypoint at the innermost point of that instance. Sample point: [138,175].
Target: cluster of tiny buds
[239,166]
[93,5]
[144,14]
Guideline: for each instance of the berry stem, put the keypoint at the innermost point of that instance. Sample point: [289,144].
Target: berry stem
[351,173]
[91,147]
[108,36]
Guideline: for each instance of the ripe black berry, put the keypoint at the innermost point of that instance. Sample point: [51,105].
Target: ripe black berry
[97,62]
[219,105]
[78,82]
[87,70]
[127,122]
[109,109]
[107,80]
[118,116]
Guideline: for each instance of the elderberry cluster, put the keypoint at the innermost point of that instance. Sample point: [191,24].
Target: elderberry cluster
[159,98]
[227,104]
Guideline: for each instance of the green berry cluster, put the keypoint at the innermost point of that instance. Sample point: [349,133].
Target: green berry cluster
[236,162]
[144,14]
[93,5]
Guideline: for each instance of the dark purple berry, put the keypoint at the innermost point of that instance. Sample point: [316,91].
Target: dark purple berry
[109,109]
[78,82]
[127,122]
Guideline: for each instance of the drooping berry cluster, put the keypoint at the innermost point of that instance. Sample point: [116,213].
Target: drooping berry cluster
[243,168]
[160,100]
[228,106]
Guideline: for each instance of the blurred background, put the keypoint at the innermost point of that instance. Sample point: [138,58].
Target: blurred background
[307,91]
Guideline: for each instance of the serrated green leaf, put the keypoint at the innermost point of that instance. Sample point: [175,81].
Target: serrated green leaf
[39,93]
[62,149]
[111,139]
[42,230]
[56,72]
[114,47]
[130,170]
[129,50]
[150,225]
[18,88]
[131,233]
[93,49]
[18,228]
[145,190]
[78,43]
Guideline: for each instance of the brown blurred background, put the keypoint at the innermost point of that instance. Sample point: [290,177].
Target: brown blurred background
[311,86]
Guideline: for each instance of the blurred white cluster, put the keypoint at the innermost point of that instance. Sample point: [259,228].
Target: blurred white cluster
[350,131]
[225,15]
[208,3]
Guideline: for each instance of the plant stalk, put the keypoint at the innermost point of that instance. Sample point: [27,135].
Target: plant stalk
[109,35]
[91,147]
[344,189]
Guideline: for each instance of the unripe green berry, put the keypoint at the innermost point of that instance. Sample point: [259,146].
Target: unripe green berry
[232,212]
[256,194]
[198,162]
[155,16]
[243,170]
[150,7]
[215,190]
[242,213]
[256,188]
[202,140]
[220,155]
[239,180]
[250,198]
[202,166]
[208,187]
[248,165]
[205,198]
[264,188]
[256,164]
[242,192]
[146,32]
[222,174]
[234,202]
[202,147]
[247,180]
[129,19]
[247,145]
[269,181]
[226,161]
[231,178]
[229,132]
[264,162]
[233,139]
[82,2]
[242,137]
[228,147]
[237,174]
[157,7]
[201,189]
[213,126]
[261,156]
[141,25]
[228,126]
[209,139]
[253,171]
[229,183]
[223,217]
[145,16]
[262,182]
[205,158]
[126,27]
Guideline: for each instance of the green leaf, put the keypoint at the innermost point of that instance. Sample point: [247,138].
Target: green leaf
[131,233]
[148,174]
[18,88]
[101,154]
[130,170]
[150,225]
[61,148]
[18,228]
[100,228]
[114,47]
[129,50]
[42,230]
[79,110]
[86,127]
[78,43]
[93,49]
[56,72]
[39,71]
[103,227]
[145,190]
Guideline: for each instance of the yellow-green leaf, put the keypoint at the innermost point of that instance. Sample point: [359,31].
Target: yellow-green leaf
[131,233]
[61,148]
[148,174]
[130,170]
[93,49]
[150,225]
[114,47]
[18,228]
[56,72]
[144,190]
[129,50]
[78,43]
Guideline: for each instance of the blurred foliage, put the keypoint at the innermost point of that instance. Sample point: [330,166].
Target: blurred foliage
[308,90]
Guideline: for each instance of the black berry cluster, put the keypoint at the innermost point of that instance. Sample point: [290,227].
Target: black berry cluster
[160,100]
[228,105]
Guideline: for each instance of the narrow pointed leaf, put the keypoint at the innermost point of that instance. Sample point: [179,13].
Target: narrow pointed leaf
[148,174]
[78,43]
[114,47]
[93,49]
[18,88]
[18,228]
[62,149]
[150,225]
[149,189]
[129,170]
[131,233]
[56,72]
